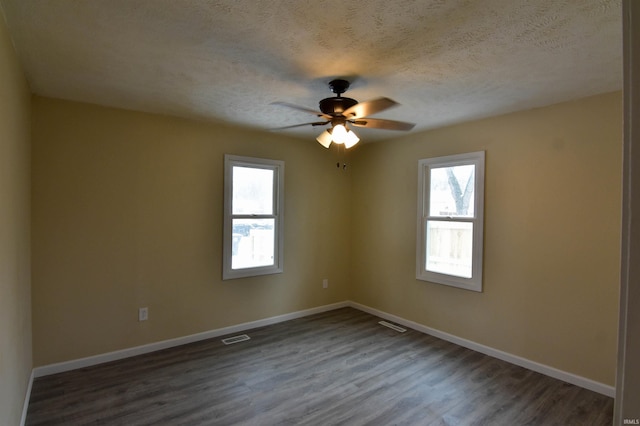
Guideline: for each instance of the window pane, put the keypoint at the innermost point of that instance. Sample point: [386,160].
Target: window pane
[253,243]
[449,247]
[451,191]
[252,190]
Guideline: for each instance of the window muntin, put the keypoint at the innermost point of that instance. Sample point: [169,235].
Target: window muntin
[450,220]
[253,217]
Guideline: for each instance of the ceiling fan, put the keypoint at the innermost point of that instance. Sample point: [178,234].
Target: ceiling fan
[342,112]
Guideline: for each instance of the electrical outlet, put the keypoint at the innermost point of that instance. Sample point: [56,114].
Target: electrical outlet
[143,314]
[325,283]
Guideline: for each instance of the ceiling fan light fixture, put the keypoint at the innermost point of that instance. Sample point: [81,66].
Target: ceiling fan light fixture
[324,138]
[341,112]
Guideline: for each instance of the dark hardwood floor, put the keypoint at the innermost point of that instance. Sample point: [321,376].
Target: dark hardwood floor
[335,368]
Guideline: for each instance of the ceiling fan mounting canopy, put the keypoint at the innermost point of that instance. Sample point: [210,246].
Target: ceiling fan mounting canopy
[339,86]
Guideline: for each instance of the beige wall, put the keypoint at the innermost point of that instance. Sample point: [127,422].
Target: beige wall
[127,212]
[552,234]
[15,252]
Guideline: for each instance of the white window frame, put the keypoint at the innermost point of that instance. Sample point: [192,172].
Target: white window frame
[277,166]
[424,167]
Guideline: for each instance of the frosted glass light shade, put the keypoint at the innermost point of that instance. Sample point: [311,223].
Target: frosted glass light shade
[351,139]
[324,139]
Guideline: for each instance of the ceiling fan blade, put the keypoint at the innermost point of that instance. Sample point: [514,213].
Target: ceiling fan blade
[316,123]
[379,123]
[363,109]
[300,108]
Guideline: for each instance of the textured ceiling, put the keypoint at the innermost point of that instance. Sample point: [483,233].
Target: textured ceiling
[444,61]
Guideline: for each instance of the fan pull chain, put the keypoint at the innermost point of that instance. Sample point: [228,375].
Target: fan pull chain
[341,154]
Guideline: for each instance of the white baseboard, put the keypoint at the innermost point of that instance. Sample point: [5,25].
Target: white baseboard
[60,367]
[152,347]
[513,359]
[27,397]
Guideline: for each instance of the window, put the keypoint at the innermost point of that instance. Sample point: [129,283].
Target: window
[450,220]
[253,200]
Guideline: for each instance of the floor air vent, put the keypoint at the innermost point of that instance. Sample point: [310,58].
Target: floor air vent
[235,339]
[392,326]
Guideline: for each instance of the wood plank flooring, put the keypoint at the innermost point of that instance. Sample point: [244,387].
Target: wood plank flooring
[336,368]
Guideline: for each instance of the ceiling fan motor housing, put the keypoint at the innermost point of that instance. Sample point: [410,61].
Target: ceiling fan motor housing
[337,105]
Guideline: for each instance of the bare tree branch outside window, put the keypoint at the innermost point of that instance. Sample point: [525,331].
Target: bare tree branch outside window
[461,199]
